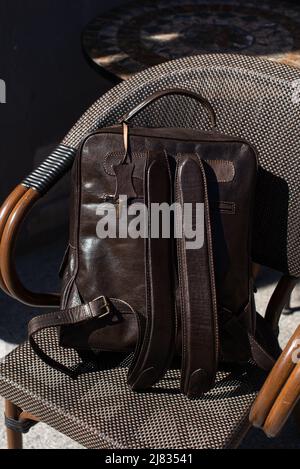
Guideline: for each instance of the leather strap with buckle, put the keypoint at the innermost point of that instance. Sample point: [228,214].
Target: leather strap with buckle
[98,308]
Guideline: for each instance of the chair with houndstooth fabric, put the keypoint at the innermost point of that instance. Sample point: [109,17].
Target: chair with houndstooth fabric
[256,100]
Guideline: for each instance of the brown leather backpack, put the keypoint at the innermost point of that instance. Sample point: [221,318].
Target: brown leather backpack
[156,296]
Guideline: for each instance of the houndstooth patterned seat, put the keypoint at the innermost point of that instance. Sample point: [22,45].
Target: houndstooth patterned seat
[99,411]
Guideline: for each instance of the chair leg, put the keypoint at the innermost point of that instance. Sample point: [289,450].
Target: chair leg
[279,299]
[14,438]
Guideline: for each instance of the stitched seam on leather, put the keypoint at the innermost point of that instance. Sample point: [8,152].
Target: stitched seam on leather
[68,286]
[172,312]
[212,279]
[218,137]
[173,260]
[210,260]
[145,342]
[72,232]
[106,166]
[139,343]
[181,272]
[75,228]
[249,245]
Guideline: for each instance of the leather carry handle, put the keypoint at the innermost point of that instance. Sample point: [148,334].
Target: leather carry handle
[171,91]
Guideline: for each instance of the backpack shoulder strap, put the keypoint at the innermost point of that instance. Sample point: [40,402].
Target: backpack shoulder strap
[198,304]
[155,347]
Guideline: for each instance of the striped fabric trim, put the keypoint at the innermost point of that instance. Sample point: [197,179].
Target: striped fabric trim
[51,170]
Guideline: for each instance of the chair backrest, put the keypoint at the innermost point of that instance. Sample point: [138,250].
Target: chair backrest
[256,99]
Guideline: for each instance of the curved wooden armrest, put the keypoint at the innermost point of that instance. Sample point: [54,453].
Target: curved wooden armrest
[281,376]
[6,209]
[284,404]
[7,247]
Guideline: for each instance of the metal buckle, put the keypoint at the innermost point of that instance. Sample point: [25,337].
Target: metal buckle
[104,306]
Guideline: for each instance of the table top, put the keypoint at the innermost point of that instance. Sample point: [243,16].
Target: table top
[143,33]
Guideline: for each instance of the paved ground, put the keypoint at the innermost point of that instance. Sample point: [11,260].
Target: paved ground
[14,317]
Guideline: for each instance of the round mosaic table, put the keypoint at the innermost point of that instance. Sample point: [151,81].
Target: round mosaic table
[142,33]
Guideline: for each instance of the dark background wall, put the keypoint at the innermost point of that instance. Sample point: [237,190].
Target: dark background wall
[49,85]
